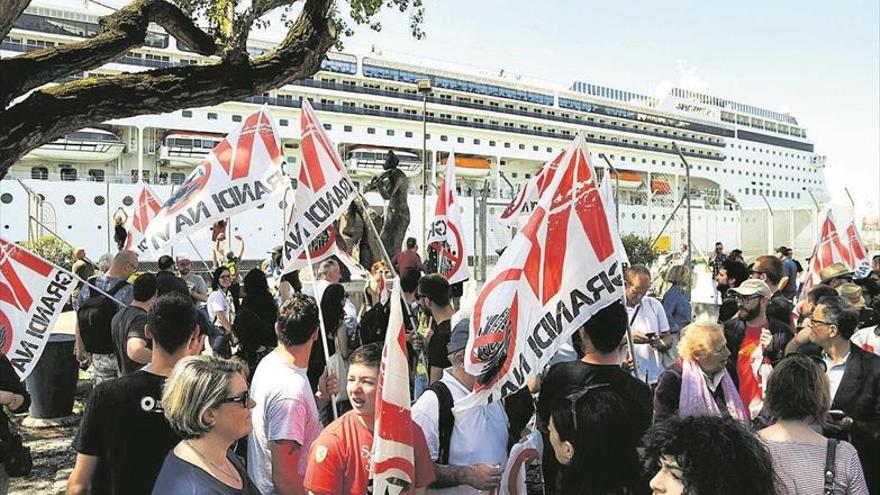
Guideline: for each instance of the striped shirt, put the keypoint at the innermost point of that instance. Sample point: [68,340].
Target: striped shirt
[800,468]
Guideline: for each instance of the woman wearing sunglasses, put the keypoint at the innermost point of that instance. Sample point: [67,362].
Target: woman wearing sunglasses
[592,436]
[798,396]
[206,402]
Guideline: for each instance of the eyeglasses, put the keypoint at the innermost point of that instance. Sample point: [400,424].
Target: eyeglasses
[739,298]
[226,276]
[575,397]
[244,400]
[817,320]
[756,272]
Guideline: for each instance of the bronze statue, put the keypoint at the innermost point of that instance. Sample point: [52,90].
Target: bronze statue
[393,186]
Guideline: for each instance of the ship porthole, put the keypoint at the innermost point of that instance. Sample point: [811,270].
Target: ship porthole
[6,198]
[69,199]
[127,201]
[99,200]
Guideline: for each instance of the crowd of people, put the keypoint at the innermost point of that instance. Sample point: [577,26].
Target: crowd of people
[200,393]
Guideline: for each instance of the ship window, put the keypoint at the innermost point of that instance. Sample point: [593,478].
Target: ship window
[41,173]
[186,113]
[283,122]
[99,200]
[371,130]
[460,140]
[522,146]
[6,198]
[507,145]
[535,148]
[68,173]
[408,134]
[236,118]
[476,141]
[389,132]
[328,126]
[491,143]
[127,201]
[69,199]
[347,128]
[444,138]
[96,174]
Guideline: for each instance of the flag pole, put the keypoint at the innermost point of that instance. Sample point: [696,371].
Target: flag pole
[65,270]
[191,243]
[320,319]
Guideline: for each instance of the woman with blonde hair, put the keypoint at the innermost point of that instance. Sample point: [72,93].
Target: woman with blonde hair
[798,396]
[206,402]
[698,382]
[675,300]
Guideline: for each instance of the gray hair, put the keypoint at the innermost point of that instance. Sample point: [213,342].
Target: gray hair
[837,312]
[634,270]
[105,261]
[326,267]
[197,384]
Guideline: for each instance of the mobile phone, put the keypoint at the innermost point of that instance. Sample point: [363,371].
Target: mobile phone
[836,414]
[651,335]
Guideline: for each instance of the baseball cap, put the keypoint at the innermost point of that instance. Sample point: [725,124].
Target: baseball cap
[459,338]
[276,249]
[182,257]
[751,287]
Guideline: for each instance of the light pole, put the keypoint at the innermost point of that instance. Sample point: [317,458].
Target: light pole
[424,87]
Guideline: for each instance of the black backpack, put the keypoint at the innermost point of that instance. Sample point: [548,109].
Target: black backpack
[94,318]
[447,419]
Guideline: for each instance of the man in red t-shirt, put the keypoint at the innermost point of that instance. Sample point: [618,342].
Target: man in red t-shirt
[339,460]
[408,258]
[753,347]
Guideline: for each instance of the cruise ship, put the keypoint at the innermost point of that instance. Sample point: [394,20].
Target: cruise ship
[755,177]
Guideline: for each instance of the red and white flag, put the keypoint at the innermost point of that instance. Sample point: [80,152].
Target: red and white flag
[32,295]
[324,246]
[393,459]
[517,212]
[446,234]
[560,269]
[147,207]
[323,190]
[240,173]
[530,449]
[861,263]
[829,250]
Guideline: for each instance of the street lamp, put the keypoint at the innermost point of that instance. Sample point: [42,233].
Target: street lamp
[424,87]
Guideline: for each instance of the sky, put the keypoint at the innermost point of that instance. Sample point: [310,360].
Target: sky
[818,60]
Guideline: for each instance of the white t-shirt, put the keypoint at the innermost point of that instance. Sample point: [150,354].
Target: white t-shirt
[217,302]
[478,437]
[650,318]
[285,410]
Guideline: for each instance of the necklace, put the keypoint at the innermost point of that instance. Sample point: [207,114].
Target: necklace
[234,475]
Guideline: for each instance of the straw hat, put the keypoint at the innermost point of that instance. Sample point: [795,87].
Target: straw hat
[853,294]
[833,271]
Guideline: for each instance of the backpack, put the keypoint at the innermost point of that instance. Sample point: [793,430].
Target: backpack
[447,419]
[94,318]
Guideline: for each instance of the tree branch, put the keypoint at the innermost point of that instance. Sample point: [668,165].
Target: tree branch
[10,10]
[51,112]
[122,31]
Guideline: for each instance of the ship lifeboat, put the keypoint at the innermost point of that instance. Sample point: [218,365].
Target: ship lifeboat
[186,149]
[660,187]
[470,167]
[368,161]
[84,145]
[628,180]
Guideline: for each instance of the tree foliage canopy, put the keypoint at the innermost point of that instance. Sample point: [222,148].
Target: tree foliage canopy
[36,110]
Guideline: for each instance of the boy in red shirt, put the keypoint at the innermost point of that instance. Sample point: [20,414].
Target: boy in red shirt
[339,460]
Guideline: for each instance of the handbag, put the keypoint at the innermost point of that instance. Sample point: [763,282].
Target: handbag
[16,457]
[829,467]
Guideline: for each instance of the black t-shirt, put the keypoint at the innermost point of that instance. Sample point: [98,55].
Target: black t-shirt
[127,323]
[438,355]
[179,477]
[125,426]
[566,378]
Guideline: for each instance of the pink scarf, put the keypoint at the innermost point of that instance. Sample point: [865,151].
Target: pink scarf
[696,398]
